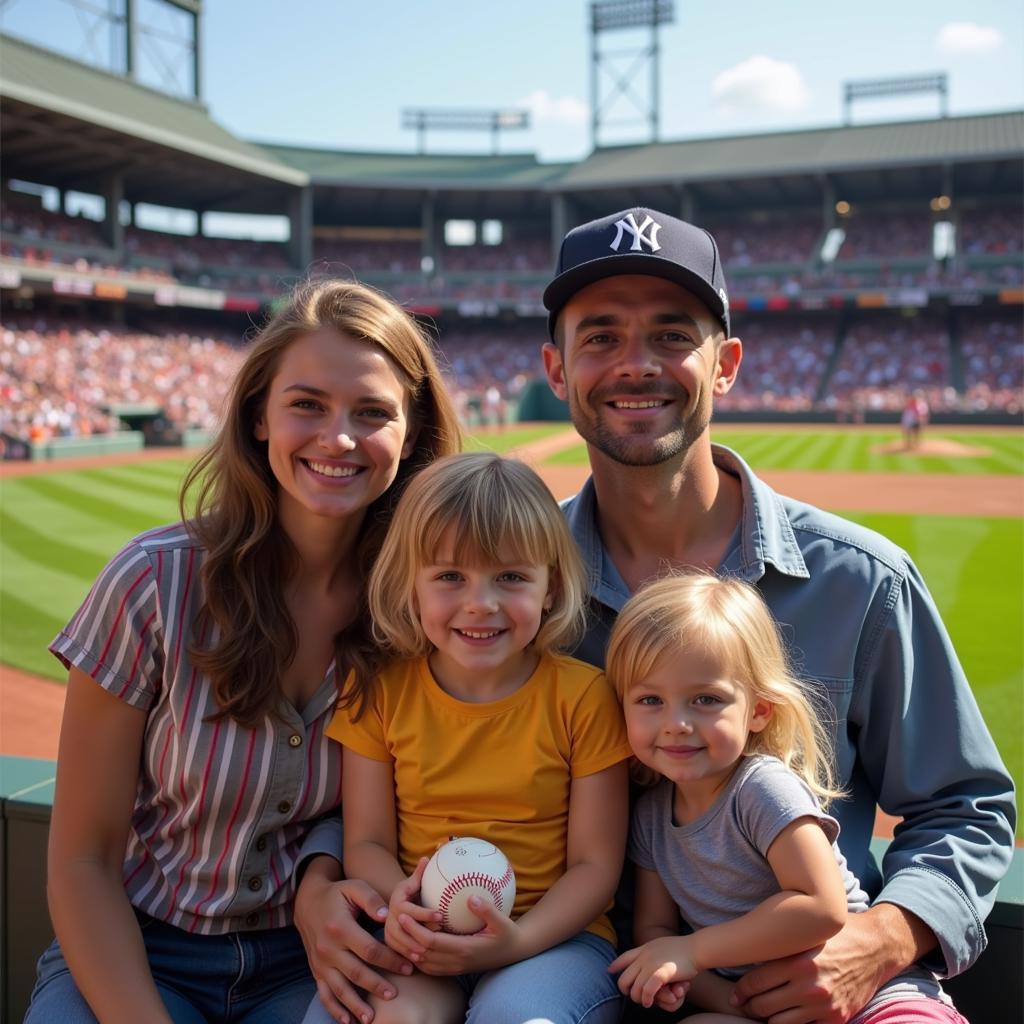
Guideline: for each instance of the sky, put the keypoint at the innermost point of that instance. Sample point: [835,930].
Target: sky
[339,73]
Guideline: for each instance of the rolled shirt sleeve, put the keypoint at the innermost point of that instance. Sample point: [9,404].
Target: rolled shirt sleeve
[925,749]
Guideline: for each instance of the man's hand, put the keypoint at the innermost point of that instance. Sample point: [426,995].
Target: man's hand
[650,968]
[339,949]
[829,984]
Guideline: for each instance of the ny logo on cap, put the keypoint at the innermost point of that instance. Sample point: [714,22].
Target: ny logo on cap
[628,223]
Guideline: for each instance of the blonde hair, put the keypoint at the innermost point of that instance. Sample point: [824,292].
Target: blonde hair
[728,619]
[494,509]
[234,515]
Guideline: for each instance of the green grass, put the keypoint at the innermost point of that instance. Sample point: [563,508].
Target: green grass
[974,569]
[855,451]
[58,530]
[514,437]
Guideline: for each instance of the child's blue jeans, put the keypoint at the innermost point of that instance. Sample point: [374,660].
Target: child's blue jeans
[567,984]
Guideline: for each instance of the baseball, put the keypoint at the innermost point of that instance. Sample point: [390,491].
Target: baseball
[466,867]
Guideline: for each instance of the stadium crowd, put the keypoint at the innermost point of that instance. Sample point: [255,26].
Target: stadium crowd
[789,240]
[771,256]
[992,354]
[61,379]
[887,358]
[784,361]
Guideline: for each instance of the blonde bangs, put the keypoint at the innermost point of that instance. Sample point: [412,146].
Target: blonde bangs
[477,509]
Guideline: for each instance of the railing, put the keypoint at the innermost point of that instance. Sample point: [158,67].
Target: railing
[989,993]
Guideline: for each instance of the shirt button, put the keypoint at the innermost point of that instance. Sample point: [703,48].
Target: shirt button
[252,920]
[261,843]
[295,740]
[255,884]
[284,807]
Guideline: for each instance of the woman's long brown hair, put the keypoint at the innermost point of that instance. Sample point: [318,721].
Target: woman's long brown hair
[245,638]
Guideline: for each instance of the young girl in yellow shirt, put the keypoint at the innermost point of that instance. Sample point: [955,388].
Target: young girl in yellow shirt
[475,726]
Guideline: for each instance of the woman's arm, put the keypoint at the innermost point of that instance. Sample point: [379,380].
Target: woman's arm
[598,814]
[97,778]
[810,908]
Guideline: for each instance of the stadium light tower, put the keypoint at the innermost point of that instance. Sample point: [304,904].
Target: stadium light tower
[614,15]
[884,88]
[494,121]
[155,42]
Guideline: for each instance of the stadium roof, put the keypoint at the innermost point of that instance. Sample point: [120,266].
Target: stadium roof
[64,121]
[419,170]
[815,151]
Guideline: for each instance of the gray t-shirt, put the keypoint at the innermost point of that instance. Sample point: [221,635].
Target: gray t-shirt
[716,868]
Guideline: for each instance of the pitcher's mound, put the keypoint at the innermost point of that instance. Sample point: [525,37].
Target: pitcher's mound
[933,446]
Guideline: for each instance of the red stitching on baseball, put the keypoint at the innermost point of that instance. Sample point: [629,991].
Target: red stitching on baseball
[489,883]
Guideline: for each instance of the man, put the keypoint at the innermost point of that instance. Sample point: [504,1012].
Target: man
[641,346]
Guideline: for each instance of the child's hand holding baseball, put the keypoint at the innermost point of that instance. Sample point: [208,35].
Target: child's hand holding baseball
[403,904]
[500,942]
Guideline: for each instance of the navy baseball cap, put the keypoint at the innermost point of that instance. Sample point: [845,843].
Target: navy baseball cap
[639,241]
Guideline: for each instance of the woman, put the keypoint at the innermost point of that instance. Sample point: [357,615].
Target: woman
[203,667]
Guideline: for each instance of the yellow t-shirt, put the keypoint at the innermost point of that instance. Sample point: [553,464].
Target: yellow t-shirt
[499,771]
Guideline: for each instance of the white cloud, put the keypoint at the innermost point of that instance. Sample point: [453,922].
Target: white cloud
[967,37]
[760,84]
[566,110]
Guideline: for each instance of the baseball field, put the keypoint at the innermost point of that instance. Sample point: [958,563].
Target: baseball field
[957,505]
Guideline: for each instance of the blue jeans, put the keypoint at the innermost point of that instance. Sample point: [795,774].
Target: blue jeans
[259,977]
[567,984]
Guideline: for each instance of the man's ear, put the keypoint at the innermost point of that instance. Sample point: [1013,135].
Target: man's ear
[554,367]
[727,364]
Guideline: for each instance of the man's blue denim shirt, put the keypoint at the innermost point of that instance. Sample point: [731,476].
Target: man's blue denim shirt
[908,734]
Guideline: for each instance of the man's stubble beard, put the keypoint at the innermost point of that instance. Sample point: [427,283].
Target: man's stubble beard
[646,450]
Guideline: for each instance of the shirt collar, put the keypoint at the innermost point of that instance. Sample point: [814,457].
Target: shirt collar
[766,534]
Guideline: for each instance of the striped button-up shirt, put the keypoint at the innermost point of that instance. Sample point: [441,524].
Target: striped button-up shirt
[221,809]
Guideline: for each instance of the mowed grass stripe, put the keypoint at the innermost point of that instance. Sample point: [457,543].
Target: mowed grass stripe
[108,506]
[20,499]
[974,569]
[816,450]
[513,438]
[131,479]
[165,469]
[44,549]
[853,451]
[25,632]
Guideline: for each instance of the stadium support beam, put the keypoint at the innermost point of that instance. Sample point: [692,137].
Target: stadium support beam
[428,222]
[463,120]
[624,67]
[559,222]
[886,88]
[300,216]
[113,231]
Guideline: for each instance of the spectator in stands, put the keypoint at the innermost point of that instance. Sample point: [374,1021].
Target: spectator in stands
[641,349]
[204,665]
